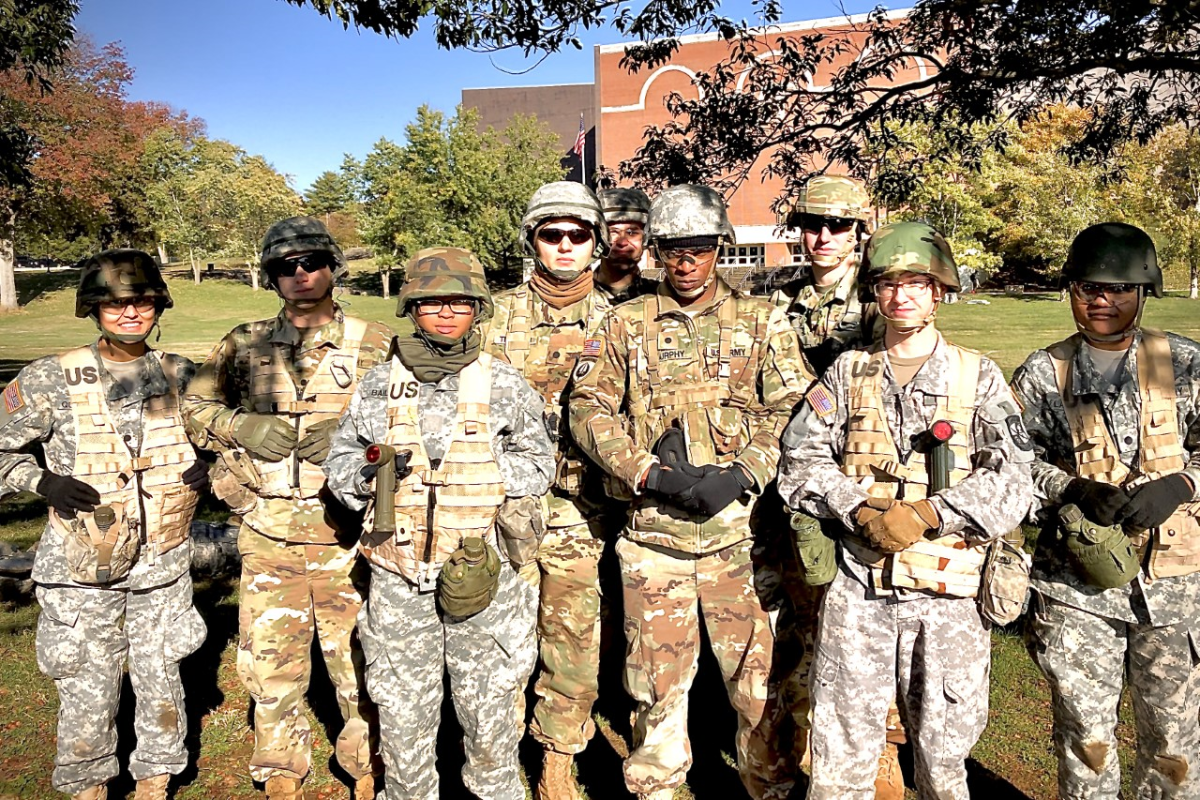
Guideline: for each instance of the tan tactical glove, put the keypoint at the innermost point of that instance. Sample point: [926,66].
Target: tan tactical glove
[314,447]
[901,524]
[270,438]
[873,507]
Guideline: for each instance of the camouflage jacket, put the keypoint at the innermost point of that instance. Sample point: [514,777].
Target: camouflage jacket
[519,441]
[221,392]
[828,323]
[641,285]
[543,343]
[37,408]
[986,504]
[729,373]
[1161,602]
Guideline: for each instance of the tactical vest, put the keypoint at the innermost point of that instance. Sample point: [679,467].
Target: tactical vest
[1174,547]
[714,403]
[325,396]
[948,565]
[513,334]
[438,505]
[147,483]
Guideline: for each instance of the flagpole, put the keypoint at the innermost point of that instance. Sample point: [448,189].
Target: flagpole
[583,153]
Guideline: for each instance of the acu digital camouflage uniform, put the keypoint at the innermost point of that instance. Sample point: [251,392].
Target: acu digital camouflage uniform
[297,579]
[408,641]
[543,343]
[878,626]
[729,372]
[85,632]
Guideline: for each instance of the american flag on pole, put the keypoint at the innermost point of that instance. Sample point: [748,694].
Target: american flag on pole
[580,139]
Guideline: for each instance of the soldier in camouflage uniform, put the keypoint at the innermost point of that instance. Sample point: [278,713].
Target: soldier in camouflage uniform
[682,400]
[472,445]
[541,328]
[1114,415]
[825,306]
[902,605]
[267,399]
[618,275]
[122,482]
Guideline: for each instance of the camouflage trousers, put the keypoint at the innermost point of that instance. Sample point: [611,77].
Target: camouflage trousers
[1086,658]
[937,648]
[489,656]
[83,638]
[290,594]
[666,594]
[569,616]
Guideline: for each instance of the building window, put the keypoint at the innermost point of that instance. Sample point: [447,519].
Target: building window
[799,257]
[742,255]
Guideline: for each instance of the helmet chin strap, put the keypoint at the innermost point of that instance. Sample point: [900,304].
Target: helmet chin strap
[692,294]
[1127,332]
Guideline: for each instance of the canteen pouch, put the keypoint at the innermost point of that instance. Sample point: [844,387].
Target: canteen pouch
[816,552]
[469,579]
[1004,593]
[521,528]
[1102,556]
[234,479]
[100,547]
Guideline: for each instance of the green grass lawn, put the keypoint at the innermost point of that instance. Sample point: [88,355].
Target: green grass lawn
[1013,759]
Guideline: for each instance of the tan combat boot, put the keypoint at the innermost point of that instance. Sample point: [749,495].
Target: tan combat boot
[364,788]
[93,793]
[280,787]
[657,794]
[889,780]
[152,788]
[557,782]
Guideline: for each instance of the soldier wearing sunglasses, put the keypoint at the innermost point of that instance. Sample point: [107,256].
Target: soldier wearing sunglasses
[268,399]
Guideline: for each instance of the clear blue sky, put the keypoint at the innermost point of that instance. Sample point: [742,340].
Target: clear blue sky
[295,87]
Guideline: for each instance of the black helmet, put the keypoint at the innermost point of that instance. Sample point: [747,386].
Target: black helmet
[119,275]
[1114,252]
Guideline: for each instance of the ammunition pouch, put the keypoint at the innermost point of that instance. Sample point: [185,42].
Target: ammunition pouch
[101,546]
[469,580]
[1102,556]
[569,470]
[234,480]
[521,528]
[816,552]
[1004,593]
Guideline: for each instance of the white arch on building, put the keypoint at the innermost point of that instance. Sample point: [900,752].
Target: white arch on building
[641,103]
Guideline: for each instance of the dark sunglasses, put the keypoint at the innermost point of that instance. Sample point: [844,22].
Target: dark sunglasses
[836,225]
[555,235]
[313,262]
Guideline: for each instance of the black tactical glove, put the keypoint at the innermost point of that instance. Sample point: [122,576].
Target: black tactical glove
[67,495]
[270,438]
[314,447]
[1102,503]
[403,470]
[1152,503]
[195,477]
[672,482]
[717,490]
[671,448]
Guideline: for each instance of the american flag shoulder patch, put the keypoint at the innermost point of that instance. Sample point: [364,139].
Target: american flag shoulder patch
[591,348]
[13,402]
[821,401]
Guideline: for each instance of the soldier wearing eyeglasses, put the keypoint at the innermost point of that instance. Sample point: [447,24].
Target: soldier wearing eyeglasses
[542,327]
[267,400]
[618,275]
[1114,415]
[912,539]
[122,482]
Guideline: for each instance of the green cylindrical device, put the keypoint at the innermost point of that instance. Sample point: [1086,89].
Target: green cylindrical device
[941,459]
[385,488]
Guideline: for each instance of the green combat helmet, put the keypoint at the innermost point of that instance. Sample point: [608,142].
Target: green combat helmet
[1103,556]
[298,235]
[469,579]
[833,196]
[910,247]
[1114,252]
[625,205]
[564,199]
[689,212]
[119,275]
[438,272]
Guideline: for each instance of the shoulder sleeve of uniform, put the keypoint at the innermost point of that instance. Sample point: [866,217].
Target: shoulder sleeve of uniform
[26,401]
[376,344]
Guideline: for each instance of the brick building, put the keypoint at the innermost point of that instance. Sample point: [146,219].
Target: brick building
[622,105]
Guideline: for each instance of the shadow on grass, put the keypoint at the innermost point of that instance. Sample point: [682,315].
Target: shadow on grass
[32,285]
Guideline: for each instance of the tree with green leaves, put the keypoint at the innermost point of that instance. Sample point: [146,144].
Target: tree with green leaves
[330,192]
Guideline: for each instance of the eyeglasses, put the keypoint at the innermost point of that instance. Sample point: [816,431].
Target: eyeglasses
[812,223]
[1092,291]
[310,263]
[910,288]
[142,305]
[678,253]
[555,235]
[430,307]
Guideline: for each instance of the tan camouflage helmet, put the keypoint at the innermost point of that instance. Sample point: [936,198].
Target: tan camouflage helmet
[910,247]
[829,196]
[625,204]
[119,275]
[299,235]
[564,199]
[441,272]
[689,211]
